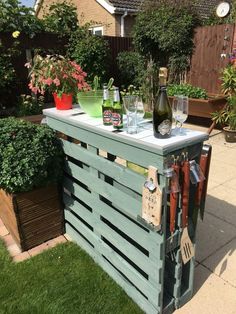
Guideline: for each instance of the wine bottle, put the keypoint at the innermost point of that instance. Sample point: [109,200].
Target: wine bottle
[117,112]
[162,112]
[106,107]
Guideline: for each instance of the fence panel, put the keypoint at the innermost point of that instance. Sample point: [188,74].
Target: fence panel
[206,63]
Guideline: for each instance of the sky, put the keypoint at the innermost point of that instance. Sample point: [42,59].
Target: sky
[28,3]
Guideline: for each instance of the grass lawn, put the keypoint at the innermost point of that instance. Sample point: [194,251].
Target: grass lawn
[61,280]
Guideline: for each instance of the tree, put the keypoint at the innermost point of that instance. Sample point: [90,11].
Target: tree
[164,32]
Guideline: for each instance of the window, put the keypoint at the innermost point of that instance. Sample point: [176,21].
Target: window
[97,30]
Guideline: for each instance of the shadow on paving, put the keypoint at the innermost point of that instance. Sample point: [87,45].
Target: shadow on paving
[216,242]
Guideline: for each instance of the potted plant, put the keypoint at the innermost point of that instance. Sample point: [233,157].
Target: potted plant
[60,76]
[201,104]
[227,116]
[31,166]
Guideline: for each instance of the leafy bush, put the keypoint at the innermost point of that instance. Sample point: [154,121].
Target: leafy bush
[227,116]
[29,105]
[91,52]
[187,90]
[229,80]
[30,156]
[132,67]
[61,18]
[17,17]
[164,30]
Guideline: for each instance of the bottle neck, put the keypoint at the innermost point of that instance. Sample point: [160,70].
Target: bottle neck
[105,94]
[116,96]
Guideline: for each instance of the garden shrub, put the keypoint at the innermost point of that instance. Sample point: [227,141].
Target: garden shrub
[187,90]
[164,31]
[91,52]
[30,156]
[132,67]
[30,105]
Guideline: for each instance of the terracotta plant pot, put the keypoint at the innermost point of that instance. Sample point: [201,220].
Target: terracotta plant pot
[64,102]
[230,135]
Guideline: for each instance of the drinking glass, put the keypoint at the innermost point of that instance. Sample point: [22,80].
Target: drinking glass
[180,110]
[140,109]
[130,105]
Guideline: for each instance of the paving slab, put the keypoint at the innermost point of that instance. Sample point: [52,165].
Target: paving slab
[221,202]
[223,263]
[221,172]
[211,235]
[212,295]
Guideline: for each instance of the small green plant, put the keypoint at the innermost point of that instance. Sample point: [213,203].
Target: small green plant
[30,105]
[227,116]
[30,156]
[229,80]
[187,90]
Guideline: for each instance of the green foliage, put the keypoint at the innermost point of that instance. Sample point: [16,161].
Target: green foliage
[227,116]
[229,80]
[16,17]
[61,18]
[132,67]
[164,30]
[30,105]
[30,155]
[91,52]
[187,90]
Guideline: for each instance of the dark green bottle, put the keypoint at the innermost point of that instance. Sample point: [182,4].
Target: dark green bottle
[106,107]
[162,112]
[117,112]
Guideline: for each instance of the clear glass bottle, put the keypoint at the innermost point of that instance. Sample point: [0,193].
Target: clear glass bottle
[117,113]
[106,107]
[162,112]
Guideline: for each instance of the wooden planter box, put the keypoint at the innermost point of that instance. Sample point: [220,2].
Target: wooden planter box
[204,107]
[32,217]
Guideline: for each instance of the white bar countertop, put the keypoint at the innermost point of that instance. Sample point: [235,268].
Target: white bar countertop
[145,136]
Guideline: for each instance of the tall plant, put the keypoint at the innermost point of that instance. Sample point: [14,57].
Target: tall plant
[164,30]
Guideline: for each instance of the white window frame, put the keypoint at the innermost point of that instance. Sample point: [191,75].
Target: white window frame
[98,29]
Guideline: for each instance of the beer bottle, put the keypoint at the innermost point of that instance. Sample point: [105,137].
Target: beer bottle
[117,113]
[106,107]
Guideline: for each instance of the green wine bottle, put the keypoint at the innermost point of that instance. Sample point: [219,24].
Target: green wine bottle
[162,112]
[106,107]
[117,113]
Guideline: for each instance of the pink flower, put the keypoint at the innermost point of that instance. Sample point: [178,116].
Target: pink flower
[65,76]
[48,81]
[56,81]
[28,65]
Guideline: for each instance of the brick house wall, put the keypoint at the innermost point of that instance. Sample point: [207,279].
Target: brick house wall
[91,11]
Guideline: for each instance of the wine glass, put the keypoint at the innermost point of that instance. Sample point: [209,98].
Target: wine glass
[175,109]
[182,111]
[140,109]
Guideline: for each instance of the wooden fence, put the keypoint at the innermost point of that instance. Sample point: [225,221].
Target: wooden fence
[207,63]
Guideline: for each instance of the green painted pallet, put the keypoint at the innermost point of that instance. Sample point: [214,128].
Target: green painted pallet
[103,201]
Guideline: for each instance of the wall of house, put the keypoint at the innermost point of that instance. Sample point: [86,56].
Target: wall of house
[90,10]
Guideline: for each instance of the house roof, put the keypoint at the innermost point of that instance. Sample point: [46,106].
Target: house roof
[130,5]
[204,7]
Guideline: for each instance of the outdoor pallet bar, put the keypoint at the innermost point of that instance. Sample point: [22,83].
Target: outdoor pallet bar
[103,206]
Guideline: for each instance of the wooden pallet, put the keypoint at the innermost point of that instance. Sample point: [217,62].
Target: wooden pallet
[102,200]
[32,217]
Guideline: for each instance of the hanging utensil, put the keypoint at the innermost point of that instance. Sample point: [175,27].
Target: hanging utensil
[174,196]
[186,245]
[201,192]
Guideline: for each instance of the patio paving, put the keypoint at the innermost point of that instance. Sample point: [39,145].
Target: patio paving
[215,276]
